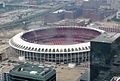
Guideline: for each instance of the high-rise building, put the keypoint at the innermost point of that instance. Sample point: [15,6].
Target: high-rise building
[105,57]
[31,72]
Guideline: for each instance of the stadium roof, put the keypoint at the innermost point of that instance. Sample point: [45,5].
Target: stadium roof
[107,37]
[18,43]
[31,71]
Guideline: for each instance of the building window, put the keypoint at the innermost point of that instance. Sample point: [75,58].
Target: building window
[86,48]
[65,50]
[76,49]
[83,48]
[68,50]
[53,50]
[79,48]
[72,49]
[29,48]
[46,50]
[39,49]
[32,49]
[35,49]
[42,49]
[49,50]
[57,50]
[26,48]
[23,47]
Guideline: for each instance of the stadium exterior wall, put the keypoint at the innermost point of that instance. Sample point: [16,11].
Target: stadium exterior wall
[76,53]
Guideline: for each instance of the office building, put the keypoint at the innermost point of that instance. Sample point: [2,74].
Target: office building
[105,57]
[31,72]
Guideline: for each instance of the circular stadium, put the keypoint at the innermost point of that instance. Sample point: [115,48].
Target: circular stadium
[63,44]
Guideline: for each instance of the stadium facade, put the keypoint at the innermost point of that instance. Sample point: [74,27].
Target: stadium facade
[63,44]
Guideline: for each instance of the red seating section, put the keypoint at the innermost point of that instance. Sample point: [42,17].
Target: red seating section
[60,36]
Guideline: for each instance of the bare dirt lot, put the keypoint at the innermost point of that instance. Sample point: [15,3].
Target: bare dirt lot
[64,73]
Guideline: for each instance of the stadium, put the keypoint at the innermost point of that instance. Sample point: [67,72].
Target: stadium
[63,44]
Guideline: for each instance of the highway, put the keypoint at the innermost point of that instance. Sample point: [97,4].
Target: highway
[29,6]
[31,18]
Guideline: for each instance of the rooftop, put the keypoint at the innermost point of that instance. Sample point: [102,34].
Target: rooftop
[107,37]
[38,72]
[107,24]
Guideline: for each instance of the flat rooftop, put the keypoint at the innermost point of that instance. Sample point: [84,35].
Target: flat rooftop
[107,37]
[108,24]
[38,72]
